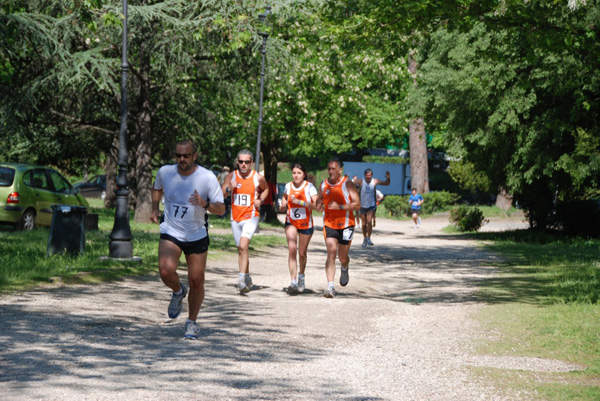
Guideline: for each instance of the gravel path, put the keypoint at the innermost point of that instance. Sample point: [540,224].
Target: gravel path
[401,330]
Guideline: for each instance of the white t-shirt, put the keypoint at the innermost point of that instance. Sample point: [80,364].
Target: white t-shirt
[184,221]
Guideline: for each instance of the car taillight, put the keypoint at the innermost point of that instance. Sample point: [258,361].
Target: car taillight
[13,198]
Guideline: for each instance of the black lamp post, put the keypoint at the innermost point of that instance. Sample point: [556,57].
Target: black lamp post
[120,238]
[262,18]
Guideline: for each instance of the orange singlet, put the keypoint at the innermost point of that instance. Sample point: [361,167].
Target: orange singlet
[299,216]
[337,219]
[243,196]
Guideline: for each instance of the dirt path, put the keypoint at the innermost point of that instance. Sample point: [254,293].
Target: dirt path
[401,330]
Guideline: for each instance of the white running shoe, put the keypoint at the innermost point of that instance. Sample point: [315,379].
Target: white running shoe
[364,245]
[329,293]
[242,286]
[191,331]
[175,304]
[292,289]
[301,282]
[369,242]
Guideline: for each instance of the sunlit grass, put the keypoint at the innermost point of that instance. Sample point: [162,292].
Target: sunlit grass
[545,304]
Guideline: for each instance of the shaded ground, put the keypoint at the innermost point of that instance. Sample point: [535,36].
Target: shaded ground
[401,330]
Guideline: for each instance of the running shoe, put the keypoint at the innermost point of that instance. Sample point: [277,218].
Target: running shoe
[369,242]
[329,293]
[344,278]
[301,283]
[175,304]
[364,245]
[191,331]
[292,289]
[242,286]
[248,281]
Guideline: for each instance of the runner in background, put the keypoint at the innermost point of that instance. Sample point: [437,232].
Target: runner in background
[299,198]
[368,186]
[244,184]
[415,200]
[338,199]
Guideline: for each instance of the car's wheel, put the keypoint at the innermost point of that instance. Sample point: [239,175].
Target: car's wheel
[27,220]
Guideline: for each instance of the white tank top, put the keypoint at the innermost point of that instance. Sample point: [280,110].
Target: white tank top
[367,194]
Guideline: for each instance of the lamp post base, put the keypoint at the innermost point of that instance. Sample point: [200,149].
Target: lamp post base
[120,249]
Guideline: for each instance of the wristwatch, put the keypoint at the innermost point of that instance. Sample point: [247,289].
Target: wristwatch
[207,205]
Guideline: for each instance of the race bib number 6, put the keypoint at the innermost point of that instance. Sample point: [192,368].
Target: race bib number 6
[298,213]
[182,212]
[242,200]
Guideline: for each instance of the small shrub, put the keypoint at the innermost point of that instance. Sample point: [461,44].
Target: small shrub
[466,218]
[397,205]
[433,202]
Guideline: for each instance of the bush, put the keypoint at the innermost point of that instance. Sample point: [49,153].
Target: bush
[433,202]
[466,218]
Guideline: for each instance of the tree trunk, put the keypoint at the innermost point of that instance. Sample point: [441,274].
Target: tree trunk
[143,167]
[270,152]
[419,169]
[504,200]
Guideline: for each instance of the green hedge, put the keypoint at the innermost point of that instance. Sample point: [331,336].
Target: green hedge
[433,202]
[385,159]
[466,218]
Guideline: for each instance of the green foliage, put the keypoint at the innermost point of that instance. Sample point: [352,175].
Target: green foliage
[433,202]
[385,159]
[516,95]
[466,218]
[468,177]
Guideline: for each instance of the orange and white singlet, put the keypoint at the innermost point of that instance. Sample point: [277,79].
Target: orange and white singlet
[300,216]
[243,195]
[337,219]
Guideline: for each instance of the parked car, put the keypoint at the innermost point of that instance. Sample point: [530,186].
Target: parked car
[27,193]
[95,187]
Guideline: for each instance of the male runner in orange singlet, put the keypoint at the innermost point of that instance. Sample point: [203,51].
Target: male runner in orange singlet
[338,199]
[243,184]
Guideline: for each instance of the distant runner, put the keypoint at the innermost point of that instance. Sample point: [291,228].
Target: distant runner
[415,200]
[368,202]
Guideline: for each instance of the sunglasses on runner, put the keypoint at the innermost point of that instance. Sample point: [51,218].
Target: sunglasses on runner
[180,155]
[244,161]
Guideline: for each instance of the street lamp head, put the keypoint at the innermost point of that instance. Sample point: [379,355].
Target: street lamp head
[265,26]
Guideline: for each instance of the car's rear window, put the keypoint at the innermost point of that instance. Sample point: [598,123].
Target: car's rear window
[7,175]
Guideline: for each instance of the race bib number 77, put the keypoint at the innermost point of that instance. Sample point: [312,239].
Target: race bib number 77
[182,212]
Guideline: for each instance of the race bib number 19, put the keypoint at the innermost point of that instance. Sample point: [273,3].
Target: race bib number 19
[241,200]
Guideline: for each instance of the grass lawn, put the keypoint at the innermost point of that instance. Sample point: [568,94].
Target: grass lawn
[23,261]
[545,303]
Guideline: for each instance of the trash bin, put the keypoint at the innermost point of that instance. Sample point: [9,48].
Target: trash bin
[67,230]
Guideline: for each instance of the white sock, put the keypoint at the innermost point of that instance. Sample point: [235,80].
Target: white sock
[294,282]
[242,276]
[331,285]
[180,290]
[191,321]
[300,275]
